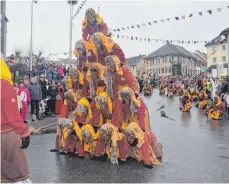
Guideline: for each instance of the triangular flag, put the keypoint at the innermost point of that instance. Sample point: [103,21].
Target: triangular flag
[190,15]
[128,27]
[183,16]
[148,39]
[138,26]
[131,37]
[118,29]
[182,42]
[188,42]
[228,7]
[162,20]
[114,30]
[118,36]
[136,38]
[177,18]
[219,9]
[156,40]
[155,22]
[149,23]
[168,19]
[35,1]
[143,24]
[132,26]
[200,13]
[209,11]
[123,28]
[171,41]
[206,41]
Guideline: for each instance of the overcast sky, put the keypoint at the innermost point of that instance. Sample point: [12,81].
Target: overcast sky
[51,23]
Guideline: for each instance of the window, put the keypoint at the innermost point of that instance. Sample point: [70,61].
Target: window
[162,70]
[224,59]
[165,70]
[213,49]
[170,70]
[214,59]
[223,47]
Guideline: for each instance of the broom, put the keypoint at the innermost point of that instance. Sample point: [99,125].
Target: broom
[40,130]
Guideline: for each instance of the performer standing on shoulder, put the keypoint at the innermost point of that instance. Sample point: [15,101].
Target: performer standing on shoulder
[15,135]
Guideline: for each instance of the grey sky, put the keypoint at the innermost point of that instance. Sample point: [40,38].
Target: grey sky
[51,23]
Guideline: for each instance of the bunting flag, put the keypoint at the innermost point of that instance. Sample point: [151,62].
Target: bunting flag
[158,40]
[79,8]
[35,1]
[177,18]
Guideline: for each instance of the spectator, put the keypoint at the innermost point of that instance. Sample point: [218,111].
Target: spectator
[55,73]
[49,72]
[36,96]
[43,84]
[60,73]
[18,99]
[52,91]
[24,100]
[59,98]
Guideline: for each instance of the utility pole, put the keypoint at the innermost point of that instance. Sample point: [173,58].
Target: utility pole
[71,4]
[228,54]
[98,10]
[31,38]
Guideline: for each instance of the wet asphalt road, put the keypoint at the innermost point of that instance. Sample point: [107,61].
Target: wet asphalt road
[194,150]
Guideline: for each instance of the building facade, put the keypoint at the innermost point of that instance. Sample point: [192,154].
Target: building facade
[137,65]
[217,56]
[4,21]
[172,59]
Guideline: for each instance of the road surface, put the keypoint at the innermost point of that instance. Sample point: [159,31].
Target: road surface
[194,150]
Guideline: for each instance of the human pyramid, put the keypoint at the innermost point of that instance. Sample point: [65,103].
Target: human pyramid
[109,119]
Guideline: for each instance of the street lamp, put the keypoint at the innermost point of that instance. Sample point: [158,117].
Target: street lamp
[224,35]
[31,39]
[71,3]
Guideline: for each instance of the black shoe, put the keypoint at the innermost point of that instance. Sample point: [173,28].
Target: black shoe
[25,122]
[80,157]
[121,162]
[62,153]
[39,118]
[53,115]
[95,158]
[53,150]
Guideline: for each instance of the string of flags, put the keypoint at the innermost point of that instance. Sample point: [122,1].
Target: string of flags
[177,18]
[157,39]
[79,8]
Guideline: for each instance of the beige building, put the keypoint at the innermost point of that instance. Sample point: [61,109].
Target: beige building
[217,54]
[137,65]
[172,59]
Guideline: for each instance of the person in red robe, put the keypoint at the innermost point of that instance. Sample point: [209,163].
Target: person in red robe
[15,135]
[93,23]
[144,145]
[60,101]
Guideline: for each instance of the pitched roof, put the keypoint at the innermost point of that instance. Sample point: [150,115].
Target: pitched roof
[217,39]
[170,49]
[133,61]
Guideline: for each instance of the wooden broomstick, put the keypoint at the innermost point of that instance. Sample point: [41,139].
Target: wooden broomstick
[162,107]
[40,130]
[164,115]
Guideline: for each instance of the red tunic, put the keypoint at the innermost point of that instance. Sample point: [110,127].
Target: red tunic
[10,116]
[116,50]
[90,30]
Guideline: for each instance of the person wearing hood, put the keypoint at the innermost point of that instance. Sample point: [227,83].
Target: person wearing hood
[15,135]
